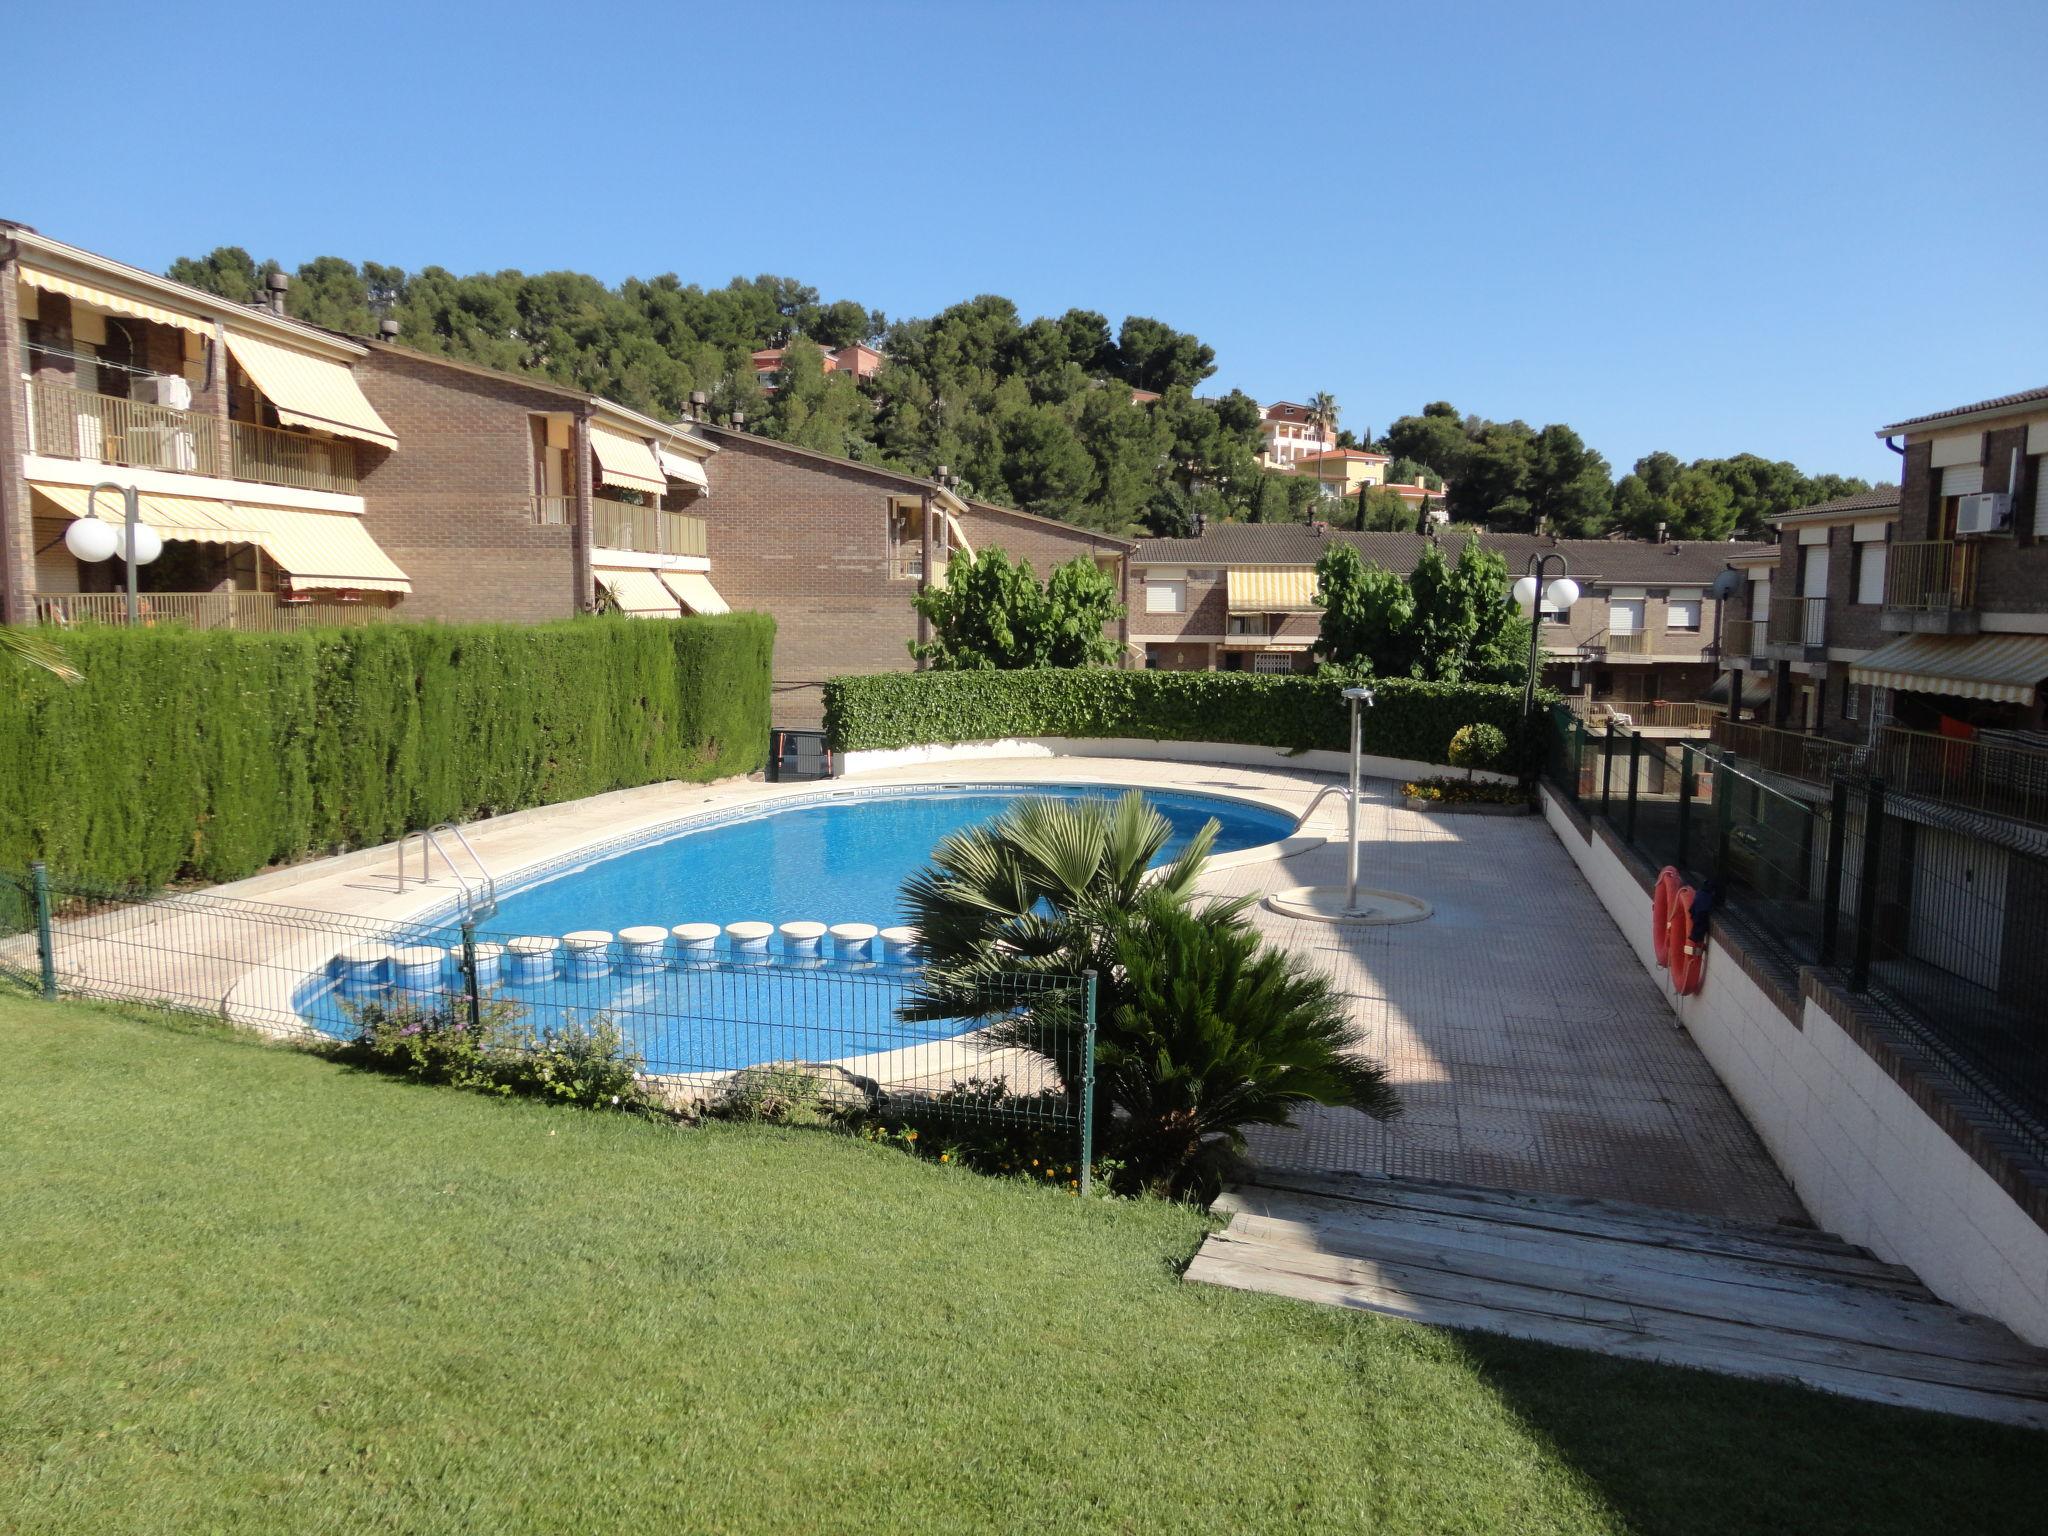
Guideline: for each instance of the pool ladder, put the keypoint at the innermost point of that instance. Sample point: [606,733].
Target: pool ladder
[1342,791]
[479,899]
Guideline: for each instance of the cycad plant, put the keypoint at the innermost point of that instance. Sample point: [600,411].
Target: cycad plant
[1200,1028]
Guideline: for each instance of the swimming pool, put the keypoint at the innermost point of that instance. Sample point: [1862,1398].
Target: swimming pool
[831,858]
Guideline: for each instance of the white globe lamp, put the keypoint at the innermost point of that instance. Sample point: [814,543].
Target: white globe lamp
[148,544]
[92,539]
[1562,593]
[1525,593]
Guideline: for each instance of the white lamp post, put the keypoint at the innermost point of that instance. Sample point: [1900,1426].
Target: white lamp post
[1561,593]
[1355,697]
[93,539]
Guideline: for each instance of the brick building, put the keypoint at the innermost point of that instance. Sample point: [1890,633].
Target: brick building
[835,549]
[523,500]
[1241,597]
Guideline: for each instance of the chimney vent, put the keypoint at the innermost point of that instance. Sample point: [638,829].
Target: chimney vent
[1663,532]
[277,283]
[388,329]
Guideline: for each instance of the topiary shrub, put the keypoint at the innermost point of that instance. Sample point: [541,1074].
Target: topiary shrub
[1478,746]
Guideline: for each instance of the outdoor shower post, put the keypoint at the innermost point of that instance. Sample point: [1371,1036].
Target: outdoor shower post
[46,952]
[1088,1085]
[1355,697]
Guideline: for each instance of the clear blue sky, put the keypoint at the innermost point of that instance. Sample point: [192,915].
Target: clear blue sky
[1709,228]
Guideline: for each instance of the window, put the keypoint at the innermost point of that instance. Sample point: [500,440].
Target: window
[1683,613]
[1166,597]
[906,540]
[1248,625]
[1267,662]
[1625,615]
[1869,575]
[1851,693]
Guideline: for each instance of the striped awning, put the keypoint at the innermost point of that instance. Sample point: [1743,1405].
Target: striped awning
[625,461]
[638,592]
[309,391]
[695,592]
[1289,589]
[2006,669]
[113,303]
[1260,643]
[318,549]
[680,466]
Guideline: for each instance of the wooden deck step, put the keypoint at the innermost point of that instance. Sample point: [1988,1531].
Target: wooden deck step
[1599,1275]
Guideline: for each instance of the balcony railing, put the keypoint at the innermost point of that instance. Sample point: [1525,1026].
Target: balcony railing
[1795,754]
[1661,714]
[646,530]
[201,610]
[68,423]
[1801,621]
[1627,642]
[554,511]
[1742,637]
[1938,576]
[1986,775]
[274,457]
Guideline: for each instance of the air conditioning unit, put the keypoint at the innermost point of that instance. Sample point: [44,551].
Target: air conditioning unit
[1985,512]
[164,389]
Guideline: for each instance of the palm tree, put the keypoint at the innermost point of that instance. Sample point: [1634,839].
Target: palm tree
[33,650]
[1323,410]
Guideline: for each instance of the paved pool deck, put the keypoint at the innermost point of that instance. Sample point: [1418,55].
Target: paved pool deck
[1530,1048]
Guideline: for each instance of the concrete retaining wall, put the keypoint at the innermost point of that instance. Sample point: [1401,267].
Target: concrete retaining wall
[1157,751]
[1867,1160]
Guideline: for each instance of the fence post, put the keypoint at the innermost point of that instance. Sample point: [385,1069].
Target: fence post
[1831,882]
[1088,1086]
[1635,763]
[46,949]
[476,1005]
[1866,885]
[1724,816]
[1607,771]
[1685,771]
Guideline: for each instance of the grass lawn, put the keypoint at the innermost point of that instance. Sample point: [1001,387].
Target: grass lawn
[243,1290]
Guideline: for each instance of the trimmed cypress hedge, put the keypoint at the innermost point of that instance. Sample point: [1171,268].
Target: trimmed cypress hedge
[1410,720]
[212,754]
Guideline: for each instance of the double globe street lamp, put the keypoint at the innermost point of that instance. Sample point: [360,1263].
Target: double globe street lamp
[92,538]
[1560,594]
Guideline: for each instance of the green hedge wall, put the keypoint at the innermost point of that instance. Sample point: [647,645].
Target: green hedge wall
[1411,719]
[210,755]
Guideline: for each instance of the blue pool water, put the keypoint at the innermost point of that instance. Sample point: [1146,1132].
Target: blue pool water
[836,860]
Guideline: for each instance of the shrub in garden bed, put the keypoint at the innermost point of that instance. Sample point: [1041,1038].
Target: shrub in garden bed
[584,1062]
[1449,791]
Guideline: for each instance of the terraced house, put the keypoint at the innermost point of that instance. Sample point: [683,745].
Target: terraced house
[245,434]
[1641,641]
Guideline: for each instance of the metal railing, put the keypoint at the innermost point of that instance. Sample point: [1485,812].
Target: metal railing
[1801,621]
[554,511]
[1934,922]
[1983,775]
[1664,714]
[1626,642]
[646,530]
[1795,754]
[272,456]
[698,1026]
[68,423]
[1743,637]
[1934,576]
[201,610]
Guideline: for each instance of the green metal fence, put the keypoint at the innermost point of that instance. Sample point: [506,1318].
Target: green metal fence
[701,1020]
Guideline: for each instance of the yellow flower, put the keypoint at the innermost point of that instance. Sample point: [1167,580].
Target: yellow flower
[945,1157]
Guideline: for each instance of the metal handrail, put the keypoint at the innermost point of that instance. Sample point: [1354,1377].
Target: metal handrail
[1322,794]
[480,900]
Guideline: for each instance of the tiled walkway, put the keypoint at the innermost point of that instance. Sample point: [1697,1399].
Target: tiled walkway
[1529,1046]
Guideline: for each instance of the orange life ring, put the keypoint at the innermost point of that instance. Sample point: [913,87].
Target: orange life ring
[1688,957]
[1661,902]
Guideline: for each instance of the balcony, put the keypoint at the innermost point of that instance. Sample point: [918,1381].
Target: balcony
[1650,714]
[1931,586]
[645,530]
[2001,778]
[67,423]
[1625,642]
[1743,637]
[1794,754]
[262,611]
[1801,622]
[271,456]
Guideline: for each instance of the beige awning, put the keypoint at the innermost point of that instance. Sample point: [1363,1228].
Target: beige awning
[695,592]
[113,303]
[189,518]
[639,593]
[324,549]
[1273,590]
[1261,643]
[626,461]
[310,391]
[318,549]
[680,466]
[2007,669]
